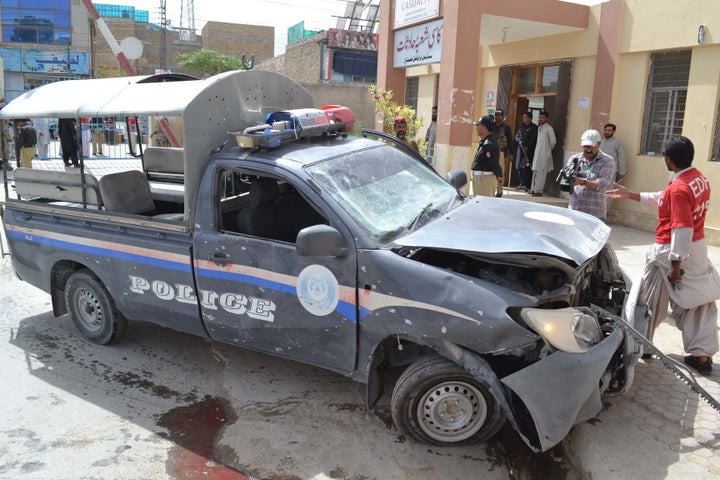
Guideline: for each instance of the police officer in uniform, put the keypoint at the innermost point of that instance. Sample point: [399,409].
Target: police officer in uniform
[487,177]
[26,141]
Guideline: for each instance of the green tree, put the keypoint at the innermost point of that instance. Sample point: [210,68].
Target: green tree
[208,62]
[386,109]
[109,72]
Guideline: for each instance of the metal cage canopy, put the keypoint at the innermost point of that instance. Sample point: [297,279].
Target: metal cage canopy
[209,108]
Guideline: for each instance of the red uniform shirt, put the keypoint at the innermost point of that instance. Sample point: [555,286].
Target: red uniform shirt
[683,204]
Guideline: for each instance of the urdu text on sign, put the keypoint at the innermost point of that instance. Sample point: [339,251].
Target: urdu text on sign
[418,45]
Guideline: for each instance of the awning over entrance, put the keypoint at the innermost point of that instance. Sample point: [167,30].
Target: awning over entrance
[505,22]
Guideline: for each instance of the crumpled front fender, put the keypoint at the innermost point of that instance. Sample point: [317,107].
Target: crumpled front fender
[561,390]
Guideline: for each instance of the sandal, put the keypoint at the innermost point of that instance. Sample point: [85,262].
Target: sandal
[701,364]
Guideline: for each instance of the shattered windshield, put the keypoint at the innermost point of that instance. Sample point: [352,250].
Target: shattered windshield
[387,192]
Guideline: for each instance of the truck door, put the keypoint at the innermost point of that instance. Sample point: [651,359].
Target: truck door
[253,288]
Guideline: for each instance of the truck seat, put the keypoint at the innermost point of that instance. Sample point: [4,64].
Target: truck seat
[264,217]
[57,186]
[129,192]
[301,213]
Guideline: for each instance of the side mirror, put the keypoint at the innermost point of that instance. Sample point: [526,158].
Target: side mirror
[320,241]
[457,178]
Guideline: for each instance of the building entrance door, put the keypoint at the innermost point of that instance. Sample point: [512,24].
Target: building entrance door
[534,88]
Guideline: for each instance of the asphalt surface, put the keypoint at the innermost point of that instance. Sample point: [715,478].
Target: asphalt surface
[75,410]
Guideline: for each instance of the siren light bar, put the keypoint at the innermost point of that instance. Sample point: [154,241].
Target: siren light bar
[289,125]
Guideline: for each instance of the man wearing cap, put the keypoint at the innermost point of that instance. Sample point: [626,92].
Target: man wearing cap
[400,126]
[593,172]
[677,270]
[26,138]
[487,179]
[504,136]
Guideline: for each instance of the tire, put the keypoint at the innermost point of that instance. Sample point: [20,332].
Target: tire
[435,401]
[92,309]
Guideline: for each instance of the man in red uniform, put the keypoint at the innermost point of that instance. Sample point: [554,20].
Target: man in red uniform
[678,271]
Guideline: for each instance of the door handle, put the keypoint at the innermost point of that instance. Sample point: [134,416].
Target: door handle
[219,257]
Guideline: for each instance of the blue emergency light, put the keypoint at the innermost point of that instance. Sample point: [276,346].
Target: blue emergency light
[289,125]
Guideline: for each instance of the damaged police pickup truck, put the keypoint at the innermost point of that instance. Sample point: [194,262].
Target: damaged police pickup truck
[273,230]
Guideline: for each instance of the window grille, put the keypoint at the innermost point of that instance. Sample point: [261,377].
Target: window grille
[715,157]
[666,98]
[411,92]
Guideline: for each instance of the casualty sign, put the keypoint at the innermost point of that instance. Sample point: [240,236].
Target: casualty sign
[413,11]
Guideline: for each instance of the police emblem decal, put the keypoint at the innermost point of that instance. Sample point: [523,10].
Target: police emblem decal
[318,290]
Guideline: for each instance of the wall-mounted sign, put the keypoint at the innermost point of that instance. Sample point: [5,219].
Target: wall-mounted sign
[536,102]
[490,98]
[352,39]
[45,61]
[413,11]
[418,45]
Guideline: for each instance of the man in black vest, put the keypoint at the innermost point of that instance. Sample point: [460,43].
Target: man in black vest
[26,138]
[504,136]
[526,138]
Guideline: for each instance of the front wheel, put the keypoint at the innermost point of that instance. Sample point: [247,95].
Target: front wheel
[436,401]
[92,309]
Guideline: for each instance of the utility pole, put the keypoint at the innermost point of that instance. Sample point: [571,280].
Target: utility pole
[187,16]
[68,58]
[163,32]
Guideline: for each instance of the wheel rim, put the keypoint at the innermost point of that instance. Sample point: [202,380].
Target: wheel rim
[89,310]
[452,411]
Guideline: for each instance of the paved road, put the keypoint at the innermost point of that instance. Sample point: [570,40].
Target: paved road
[151,406]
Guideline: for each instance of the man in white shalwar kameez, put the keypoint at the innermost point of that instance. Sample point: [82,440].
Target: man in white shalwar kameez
[677,271]
[42,127]
[542,163]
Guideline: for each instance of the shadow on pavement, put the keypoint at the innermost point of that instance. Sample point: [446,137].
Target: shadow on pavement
[226,405]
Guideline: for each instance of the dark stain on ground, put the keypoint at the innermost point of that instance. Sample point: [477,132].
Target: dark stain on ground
[193,429]
[50,345]
[384,414]
[48,341]
[507,450]
[347,407]
[131,379]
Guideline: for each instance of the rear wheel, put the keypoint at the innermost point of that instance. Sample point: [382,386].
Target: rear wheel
[436,401]
[92,309]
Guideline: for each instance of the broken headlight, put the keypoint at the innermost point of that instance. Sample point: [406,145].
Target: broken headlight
[569,329]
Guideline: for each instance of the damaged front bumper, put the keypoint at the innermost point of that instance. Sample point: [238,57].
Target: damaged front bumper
[562,389]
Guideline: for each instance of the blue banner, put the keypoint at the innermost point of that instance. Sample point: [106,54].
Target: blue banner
[45,61]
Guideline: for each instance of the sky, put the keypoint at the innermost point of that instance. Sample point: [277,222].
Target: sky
[281,14]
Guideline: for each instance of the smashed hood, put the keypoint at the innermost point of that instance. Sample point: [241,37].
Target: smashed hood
[484,225]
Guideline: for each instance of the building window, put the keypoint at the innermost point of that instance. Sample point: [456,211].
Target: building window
[537,79]
[122,11]
[549,79]
[45,22]
[526,80]
[411,92]
[715,157]
[666,97]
